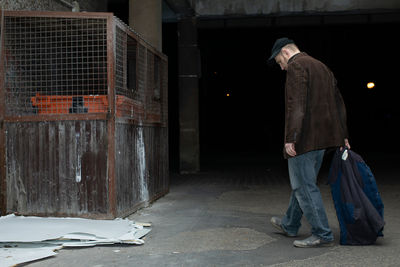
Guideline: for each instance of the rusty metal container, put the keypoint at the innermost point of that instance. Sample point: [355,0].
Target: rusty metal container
[83,116]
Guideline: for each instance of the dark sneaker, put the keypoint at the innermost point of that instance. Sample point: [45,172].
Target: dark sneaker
[312,242]
[277,223]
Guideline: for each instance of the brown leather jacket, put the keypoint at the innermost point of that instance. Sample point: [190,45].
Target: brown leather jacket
[315,114]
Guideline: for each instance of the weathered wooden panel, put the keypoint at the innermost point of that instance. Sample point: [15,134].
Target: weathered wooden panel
[157,147]
[142,173]
[57,168]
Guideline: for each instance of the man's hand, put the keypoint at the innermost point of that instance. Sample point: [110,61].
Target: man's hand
[346,144]
[290,150]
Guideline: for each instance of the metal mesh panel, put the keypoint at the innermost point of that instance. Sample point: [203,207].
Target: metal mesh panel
[131,69]
[141,79]
[128,99]
[55,65]
[120,62]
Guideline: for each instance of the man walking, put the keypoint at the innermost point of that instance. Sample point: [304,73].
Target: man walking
[315,119]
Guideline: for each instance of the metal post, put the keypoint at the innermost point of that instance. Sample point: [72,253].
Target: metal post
[3,181]
[112,198]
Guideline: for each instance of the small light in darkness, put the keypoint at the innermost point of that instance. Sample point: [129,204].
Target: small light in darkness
[228,94]
[370,85]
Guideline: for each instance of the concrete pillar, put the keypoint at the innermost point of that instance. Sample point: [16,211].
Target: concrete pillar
[189,62]
[145,17]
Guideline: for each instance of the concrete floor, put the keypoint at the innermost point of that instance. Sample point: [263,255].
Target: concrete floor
[220,217]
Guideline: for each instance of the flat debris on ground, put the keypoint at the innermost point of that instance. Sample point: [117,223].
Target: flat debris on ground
[24,239]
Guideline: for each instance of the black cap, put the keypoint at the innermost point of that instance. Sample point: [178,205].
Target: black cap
[281,42]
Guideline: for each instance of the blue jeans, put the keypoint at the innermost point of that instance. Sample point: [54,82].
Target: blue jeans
[306,198]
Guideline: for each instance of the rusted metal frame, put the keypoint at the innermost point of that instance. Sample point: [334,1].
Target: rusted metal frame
[111,32]
[65,117]
[3,181]
[125,61]
[57,14]
[127,120]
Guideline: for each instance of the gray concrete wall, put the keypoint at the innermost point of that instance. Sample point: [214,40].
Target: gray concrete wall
[266,7]
[145,18]
[53,5]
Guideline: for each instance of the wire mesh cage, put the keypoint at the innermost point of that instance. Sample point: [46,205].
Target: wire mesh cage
[91,94]
[55,65]
[58,65]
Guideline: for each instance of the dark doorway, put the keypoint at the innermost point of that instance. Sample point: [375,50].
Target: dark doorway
[242,99]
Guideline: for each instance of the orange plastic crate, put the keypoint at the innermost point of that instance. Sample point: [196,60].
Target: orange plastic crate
[55,104]
[96,104]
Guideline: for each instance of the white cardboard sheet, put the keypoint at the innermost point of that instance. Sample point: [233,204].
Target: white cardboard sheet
[11,256]
[23,239]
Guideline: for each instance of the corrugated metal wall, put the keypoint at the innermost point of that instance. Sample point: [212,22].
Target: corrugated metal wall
[83,114]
